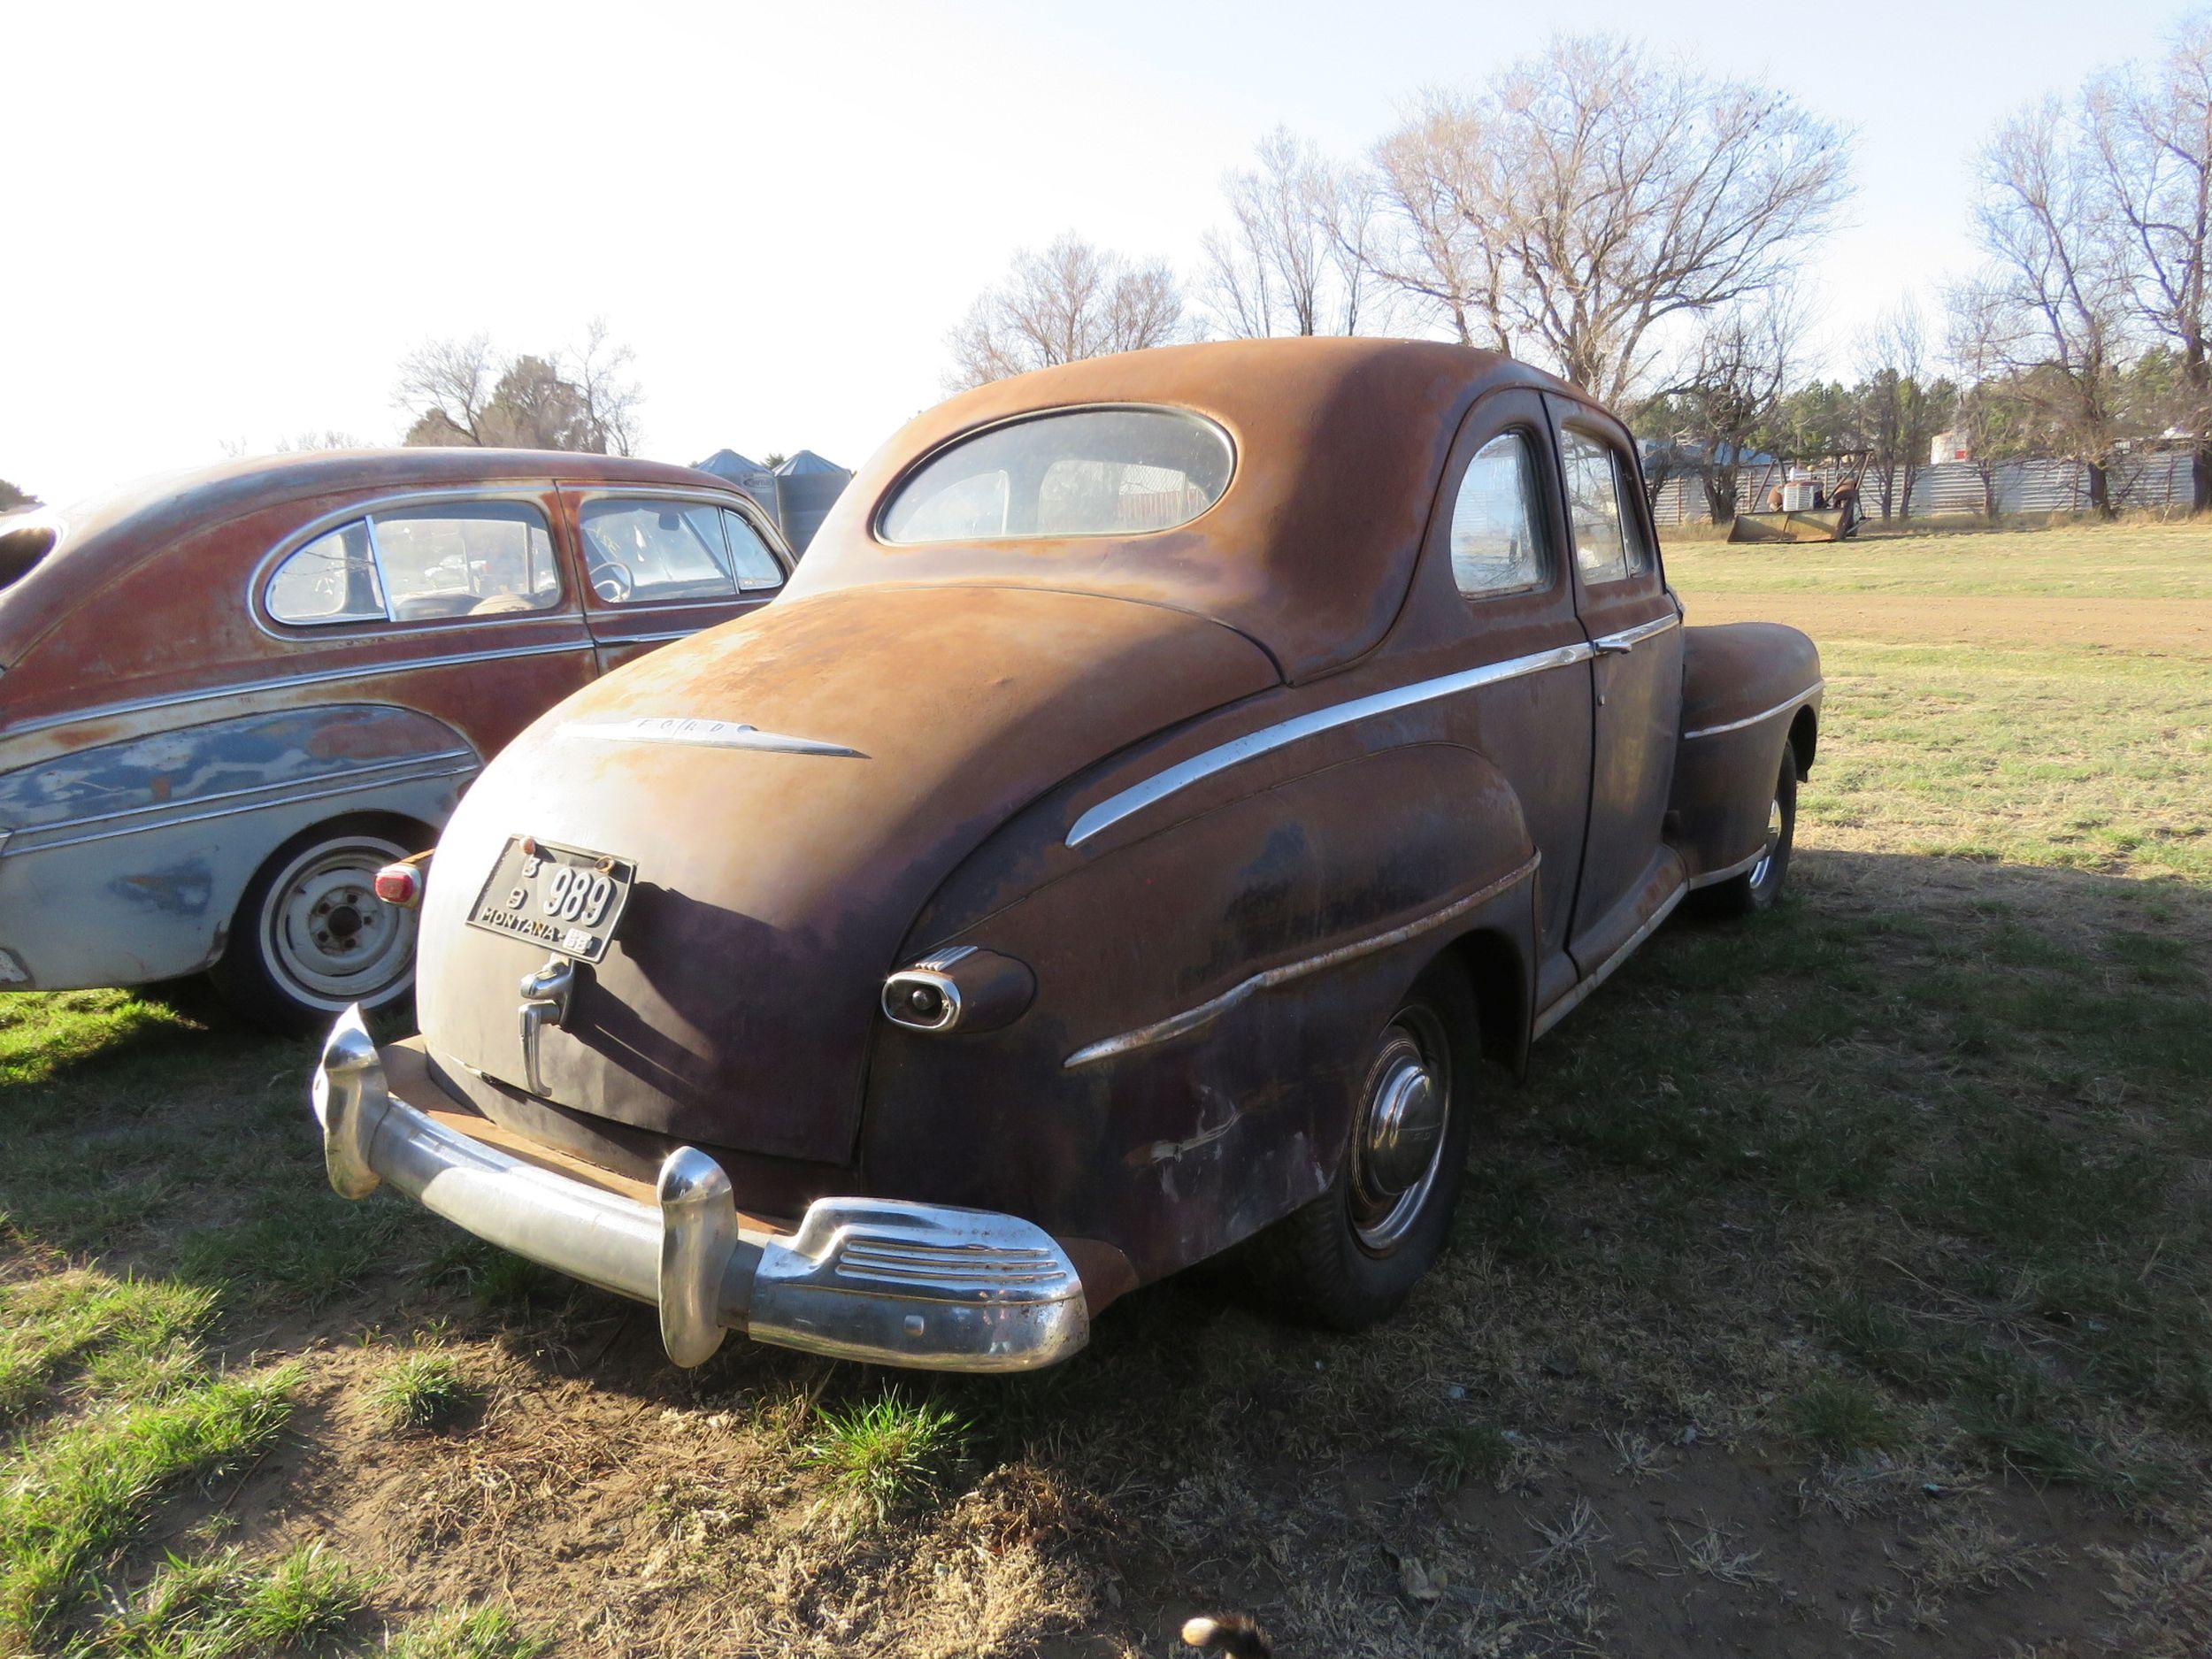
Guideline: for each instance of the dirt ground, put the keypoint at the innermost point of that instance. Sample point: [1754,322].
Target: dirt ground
[2156,627]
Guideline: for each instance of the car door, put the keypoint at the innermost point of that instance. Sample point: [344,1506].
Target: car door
[451,601]
[1505,539]
[660,564]
[1634,627]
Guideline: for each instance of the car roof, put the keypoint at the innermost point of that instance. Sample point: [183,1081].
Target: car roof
[107,534]
[1340,446]
[169,502]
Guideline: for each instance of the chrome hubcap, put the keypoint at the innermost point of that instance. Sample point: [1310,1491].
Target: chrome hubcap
[1398,1142]
[1764,868]
[326,938]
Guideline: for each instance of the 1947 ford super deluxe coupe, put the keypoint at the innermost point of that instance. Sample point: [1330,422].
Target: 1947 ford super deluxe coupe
[229,697]
[1167,779]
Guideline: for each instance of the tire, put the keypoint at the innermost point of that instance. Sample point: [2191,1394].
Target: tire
[310,938]
[1758,887]
[1351,1257]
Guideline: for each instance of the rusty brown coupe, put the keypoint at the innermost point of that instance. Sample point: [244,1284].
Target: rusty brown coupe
[1166,781]
[227,696]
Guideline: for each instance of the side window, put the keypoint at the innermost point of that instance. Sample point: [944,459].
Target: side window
[414,564]
[332,578]
[1594,508]
[756,566]
[642,552]
[1632,534]
[1497,542]
[466,559]
[1610,542]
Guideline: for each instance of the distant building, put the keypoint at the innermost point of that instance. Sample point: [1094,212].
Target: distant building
[799,493]
[1949,446]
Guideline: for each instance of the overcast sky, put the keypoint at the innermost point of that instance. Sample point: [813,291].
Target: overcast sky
[227,223]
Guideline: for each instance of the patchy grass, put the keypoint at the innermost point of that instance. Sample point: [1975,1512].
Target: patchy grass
[420,1392]
[1835,1276]
[888,1456]
[222,1606]
[71,1499]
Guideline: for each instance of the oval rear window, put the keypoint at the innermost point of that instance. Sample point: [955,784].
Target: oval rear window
[1124,470]
[23,542]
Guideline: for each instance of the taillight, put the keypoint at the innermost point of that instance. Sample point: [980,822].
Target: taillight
[400,885]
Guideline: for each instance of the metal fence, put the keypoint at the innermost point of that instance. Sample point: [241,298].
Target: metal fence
[2158,482]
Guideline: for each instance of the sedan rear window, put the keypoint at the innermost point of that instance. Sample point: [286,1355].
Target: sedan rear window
[1078,471]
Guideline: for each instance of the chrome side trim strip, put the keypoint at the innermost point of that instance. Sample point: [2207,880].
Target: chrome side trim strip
[1135,799]
[1598,976]
[1641,631]
[320,676]
[1736,869]
[674,728]
[1753,720]
[350,787]
[1195,1018]
[374,773]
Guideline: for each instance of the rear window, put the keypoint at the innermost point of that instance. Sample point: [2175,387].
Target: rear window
[1078,471]
[25,539]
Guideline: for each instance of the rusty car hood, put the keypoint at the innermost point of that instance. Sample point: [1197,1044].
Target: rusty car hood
[891,729]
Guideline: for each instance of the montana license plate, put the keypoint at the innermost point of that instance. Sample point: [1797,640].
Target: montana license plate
[560,897]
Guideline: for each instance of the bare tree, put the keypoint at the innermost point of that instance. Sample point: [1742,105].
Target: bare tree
[1587,196]
[1071,302]
[461,393]
[2152,141]
[610,397]
[1744,359]
[447,386]
[2054,302]
[1901,405]
[1293,259]
[1991,416]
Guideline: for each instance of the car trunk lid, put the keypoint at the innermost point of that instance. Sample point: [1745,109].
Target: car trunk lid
[791,789]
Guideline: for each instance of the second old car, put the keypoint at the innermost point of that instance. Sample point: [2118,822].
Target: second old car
[229,697]
[1168,778]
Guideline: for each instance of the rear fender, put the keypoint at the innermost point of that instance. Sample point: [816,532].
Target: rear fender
[123,863]
[1206,996]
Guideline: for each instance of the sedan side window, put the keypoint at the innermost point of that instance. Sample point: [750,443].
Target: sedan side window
[644,552]
[332,578]
[1497,547]
[466,559]
[756,568]
[414,564]
[1610,545]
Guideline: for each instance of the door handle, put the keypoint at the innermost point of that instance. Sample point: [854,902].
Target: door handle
[1612,648]
[545,993]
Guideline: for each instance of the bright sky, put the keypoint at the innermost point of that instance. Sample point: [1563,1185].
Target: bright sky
[228,223]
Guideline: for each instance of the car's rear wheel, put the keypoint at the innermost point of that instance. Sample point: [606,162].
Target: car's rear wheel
[310,937]
[1758,887]
[1353,1255]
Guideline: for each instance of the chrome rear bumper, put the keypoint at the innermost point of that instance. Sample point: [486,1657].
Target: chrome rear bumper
[866,1279]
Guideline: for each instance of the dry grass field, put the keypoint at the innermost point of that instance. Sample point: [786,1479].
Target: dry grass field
[1840,1281]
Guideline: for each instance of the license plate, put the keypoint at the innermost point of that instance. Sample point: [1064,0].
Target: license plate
[563,898]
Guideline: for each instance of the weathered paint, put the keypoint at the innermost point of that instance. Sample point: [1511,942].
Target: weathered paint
[159,740]
[991,695]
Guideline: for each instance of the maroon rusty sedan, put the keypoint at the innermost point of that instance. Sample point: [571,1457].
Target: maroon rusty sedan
[1167,780]
[227,697]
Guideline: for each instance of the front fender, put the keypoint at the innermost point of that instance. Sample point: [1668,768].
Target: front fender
[1206,995]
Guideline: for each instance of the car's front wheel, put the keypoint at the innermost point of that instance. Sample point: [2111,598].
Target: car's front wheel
[310,937]
[1353,1255]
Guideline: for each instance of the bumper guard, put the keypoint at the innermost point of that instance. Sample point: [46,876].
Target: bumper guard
[866,1279]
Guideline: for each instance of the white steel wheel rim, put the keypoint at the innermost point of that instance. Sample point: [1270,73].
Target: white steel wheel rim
[1408,1093]
[1764,868]
[327,940]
